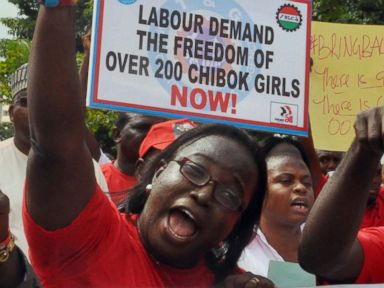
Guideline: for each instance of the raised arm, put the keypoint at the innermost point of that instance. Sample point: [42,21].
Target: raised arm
[90,138]
[329,247]
[60,173]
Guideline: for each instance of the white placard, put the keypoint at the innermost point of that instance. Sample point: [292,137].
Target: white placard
[244,62]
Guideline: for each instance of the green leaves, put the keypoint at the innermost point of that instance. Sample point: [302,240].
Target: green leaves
[349,11]
[13,53]
[101,123]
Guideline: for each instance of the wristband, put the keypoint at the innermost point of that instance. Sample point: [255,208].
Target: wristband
[6,247]
[57,3]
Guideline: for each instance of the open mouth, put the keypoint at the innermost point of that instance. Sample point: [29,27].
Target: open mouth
[300,205]
[181,224]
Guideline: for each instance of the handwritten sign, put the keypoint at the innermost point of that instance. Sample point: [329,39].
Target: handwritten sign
[347,77]
[242,62]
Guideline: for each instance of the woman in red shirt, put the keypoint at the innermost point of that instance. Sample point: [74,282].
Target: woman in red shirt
[197,205]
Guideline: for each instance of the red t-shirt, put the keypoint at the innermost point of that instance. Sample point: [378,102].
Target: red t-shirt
[323,180]
[374,216]
[118,183]
[101,248]
[372,242]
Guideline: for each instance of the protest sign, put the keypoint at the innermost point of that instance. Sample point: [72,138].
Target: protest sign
[243,62]
[347,77]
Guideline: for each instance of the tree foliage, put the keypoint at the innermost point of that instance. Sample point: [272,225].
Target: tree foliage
[349,11]
[6,131]
[101,123]
[13,53]
[22,27]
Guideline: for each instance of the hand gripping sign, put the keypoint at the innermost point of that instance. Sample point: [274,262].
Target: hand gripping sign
[244,62]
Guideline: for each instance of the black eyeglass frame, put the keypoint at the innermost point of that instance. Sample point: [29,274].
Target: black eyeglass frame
[239,206]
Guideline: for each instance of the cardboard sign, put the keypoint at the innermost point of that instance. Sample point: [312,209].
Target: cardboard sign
[243,63]
[347,77]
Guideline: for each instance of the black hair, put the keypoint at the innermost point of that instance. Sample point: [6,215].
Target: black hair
[241,234]
[123,118]
[273,141]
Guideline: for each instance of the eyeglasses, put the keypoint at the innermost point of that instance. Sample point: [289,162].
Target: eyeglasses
[199,176]
[22,101]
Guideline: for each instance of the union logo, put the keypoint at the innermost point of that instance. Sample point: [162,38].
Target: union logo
[289,17]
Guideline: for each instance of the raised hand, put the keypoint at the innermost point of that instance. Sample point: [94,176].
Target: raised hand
[369,129]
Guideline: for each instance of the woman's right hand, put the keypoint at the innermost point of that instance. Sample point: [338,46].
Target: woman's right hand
[247,280]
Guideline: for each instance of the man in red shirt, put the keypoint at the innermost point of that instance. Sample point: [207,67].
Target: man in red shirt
[332,246]
[329,160]
[131,128]
[374,213]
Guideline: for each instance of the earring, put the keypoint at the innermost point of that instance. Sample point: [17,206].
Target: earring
[221,251]
[148,188]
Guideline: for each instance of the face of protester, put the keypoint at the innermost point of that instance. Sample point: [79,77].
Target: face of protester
[182,221]
[18,114]
[374,188]
[132,135]
[289,196]
[329,160]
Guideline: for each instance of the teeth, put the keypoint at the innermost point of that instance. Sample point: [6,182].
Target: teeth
[186,213]
[300,205]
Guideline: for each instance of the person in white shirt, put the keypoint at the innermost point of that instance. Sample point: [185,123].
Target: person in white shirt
[14,154]
[288,200]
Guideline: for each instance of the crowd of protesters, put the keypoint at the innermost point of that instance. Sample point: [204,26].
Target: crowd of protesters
[184,204]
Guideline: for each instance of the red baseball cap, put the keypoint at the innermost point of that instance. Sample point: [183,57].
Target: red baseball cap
[164,133]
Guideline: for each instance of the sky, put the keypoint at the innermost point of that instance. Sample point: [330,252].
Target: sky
[6,10]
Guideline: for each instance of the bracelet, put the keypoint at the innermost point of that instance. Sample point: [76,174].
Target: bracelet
[57,3]
[6,247]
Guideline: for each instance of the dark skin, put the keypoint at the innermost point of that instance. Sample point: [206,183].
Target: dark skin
[336,254]
[90,139]
[213,222]
[247,280]
[18,114]
[128,141]
[329,160]
[374,188]
[11,271]
[289,181]
[60,172]
[57,132]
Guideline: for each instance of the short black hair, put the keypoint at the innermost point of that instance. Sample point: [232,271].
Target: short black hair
[273,141]
[241,234]
[123,118]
